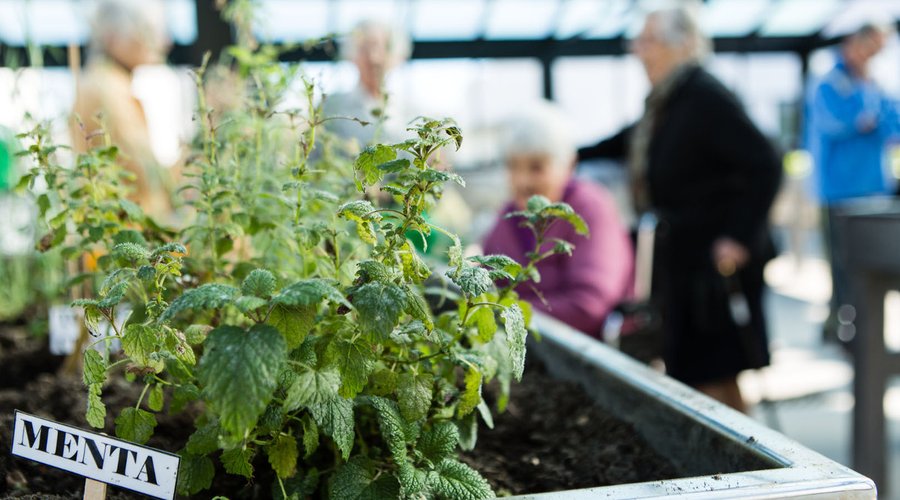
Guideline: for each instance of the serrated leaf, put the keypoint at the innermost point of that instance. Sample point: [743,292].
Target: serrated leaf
[471,395]
[114,295]
[564,211]
[170,248]
[455,254]
[418,308]
[356,480]
[485,413]
[156,400]
[383,382]
[394,166]
[514,323]
[379,306]
[239,373]
[283,456]
[196,334]
[195,474]
[249,303]
[484,320]
[335,419]
[473,281]
[204,440]
[499,262]
[454,480]
[131,252]
[414,269]
[204,297]
[141,343]
[238,461]
[299,487]
[312,387]
[182,395]
[413,481]
[355,360]
[439,441]
[309,292]
[536,203]
[94,368]
[135,425]
[414,393]
[468,432]
[562,247]
[259,283]
[294,323]
[271,420]
[393,427]
[366,164]
[96,410]
[310,436]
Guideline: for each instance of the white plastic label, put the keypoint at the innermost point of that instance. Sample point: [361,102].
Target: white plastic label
[102,458]
[64,328]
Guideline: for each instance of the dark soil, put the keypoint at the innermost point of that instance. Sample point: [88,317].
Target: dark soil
[551,439]
[547,440]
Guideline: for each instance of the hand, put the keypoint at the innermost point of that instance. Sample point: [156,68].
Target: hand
[729,255]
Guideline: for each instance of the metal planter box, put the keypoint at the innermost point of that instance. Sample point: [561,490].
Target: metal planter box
[720,452]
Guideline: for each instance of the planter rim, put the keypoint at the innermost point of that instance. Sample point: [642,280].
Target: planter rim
[802,472]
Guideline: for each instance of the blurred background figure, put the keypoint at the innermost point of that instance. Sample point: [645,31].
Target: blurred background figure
[582,289]
[375,48]
[125,34]
[849,123]
[697,160]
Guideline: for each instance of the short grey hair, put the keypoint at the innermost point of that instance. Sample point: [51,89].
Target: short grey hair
[871,29]
[679,26]
[133,19]
[541,128]
[399,43]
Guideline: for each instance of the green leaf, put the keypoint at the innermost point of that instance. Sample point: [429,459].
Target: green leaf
[141,343]
[355,360]
[94,368]
[96,410]
[439,441]
[335,419]
[413,481]
[394,166]
[454,480]
[238,461]
[310,436]
[455,254]
[156,400]
[355,480]
[294,323]
[182,395]
[471,395]
[312,387]
[483,318]
[395,431]
[43,203]
[485,413]
[204,297]
[368,161]
[309,292]
[259,283]
[468,432]
[379,306]
[516,333]
[564,211]
[418,308]
[249,303]
[414,393]
[562,247]
[271,420]
[196,334]
[204,440]
[131,252]
[239,373]
[536,203]
[135,425]
[169,248]
[498,262]
[283,456]
[364,214]
[195,474]
[473,281]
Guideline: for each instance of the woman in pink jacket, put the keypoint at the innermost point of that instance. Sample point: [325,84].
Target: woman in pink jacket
[580,289]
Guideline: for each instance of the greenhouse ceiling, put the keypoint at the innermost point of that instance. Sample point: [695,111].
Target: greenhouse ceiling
[467,28]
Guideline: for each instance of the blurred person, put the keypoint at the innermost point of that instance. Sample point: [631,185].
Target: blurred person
[582,289]
[849,122]
[697,161]
[375,48]
[124,35]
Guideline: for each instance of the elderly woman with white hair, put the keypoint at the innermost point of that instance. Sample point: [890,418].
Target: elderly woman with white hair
[699,163]
[582,289]
[124,35]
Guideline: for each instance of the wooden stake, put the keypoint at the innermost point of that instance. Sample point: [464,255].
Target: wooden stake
[94,490]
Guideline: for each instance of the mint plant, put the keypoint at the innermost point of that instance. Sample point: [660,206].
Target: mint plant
[289,313]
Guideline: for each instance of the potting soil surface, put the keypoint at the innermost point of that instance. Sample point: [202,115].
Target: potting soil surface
[550,438]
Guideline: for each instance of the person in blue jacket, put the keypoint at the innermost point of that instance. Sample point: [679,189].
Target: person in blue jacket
[849,123]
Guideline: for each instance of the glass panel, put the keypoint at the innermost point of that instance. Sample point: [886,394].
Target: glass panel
[181,18]
[733,17]
[616,16]
[578,16]
[447,19]
[351,12]
[292,20]
[799,17]
[517,19]
[46,22]
[854,14]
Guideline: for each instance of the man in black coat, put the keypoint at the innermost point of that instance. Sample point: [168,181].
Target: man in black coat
[699,163]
